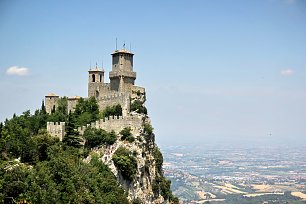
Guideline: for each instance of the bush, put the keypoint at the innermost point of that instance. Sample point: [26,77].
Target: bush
[125,163]
[127,135]
[162,186]
[86,111]
[158,157]
[115,110]
[95,137]
[138,106]
[137,201]
[148,129]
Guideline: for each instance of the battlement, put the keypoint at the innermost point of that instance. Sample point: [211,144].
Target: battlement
[56,129]
[116,124]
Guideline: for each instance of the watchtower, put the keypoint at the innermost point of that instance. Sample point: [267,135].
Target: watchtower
[51,102]
[122,77]
[95,81]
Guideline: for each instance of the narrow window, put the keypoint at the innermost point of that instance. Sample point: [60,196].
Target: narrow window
[93,78]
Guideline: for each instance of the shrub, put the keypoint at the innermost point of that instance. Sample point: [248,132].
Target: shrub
[95,137]
[115,110]
[127,135]
[162,186]
[138,106]
[137,201]
[158,157]
[148,129]
[125,163]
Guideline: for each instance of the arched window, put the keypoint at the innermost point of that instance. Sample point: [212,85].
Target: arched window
[100,78]
[93,78]
[97,94]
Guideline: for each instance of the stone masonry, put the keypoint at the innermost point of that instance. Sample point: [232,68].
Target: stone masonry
[56,129]
[120,90]
[116,124]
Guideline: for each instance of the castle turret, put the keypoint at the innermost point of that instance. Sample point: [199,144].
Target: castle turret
[95,81]
[122,77]
[51,102]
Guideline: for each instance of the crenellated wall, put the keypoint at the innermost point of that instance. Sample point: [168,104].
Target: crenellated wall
[116,124]
[56,129]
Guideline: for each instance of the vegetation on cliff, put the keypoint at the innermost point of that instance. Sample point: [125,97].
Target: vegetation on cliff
[126,163]
[139,107]
[39,168]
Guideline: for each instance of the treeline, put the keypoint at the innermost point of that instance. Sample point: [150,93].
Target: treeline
[39,168]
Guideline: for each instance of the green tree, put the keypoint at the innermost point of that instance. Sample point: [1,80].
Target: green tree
[127,135]
[72,137]
[148,129]
[95,137]
[138,106]
[1,127]
[158,157]
[125,162]
[43,107]
[86,111]
[115,110]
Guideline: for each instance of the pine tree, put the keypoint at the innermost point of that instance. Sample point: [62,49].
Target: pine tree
[1,127]
[43,107]
[72,137]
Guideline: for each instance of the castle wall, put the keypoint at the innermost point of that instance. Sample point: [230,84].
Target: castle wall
[114,99]
[71,103]
[98,89]
[114,84]
[56,129]
[116,124]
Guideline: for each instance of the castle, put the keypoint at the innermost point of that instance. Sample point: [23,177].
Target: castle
[148,176]
[121,90]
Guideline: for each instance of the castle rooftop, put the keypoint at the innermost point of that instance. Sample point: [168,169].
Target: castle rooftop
[123,51]
[74,97]
[52,95]
[96,69]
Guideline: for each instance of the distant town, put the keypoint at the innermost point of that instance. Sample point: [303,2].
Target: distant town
[237,175]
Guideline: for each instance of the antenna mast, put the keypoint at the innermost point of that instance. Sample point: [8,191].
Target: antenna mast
[116,44]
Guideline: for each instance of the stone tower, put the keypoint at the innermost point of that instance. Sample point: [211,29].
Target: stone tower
[122,77]
[51,102]
[95,82]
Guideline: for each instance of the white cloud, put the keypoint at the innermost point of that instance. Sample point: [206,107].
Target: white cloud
[19,71]
[287,72]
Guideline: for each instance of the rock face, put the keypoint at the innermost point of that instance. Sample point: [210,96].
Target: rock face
[141,188]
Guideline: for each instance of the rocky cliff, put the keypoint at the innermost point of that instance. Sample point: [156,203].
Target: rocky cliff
[145,183]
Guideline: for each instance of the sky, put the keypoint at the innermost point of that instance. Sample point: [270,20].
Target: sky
[214,70]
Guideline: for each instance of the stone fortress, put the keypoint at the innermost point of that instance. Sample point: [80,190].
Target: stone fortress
[144,187]
[121,90]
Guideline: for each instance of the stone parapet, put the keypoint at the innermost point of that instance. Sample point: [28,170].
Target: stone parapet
[116,124]
[113,74]
[56,129]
